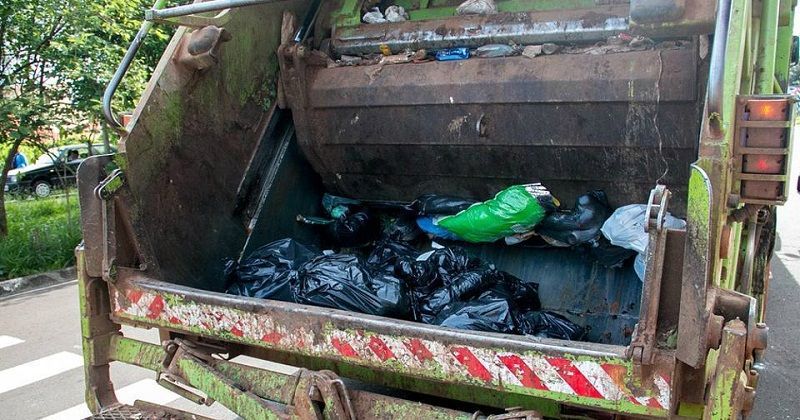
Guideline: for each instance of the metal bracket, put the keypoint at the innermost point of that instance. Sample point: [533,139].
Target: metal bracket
[644,337]
[106,189]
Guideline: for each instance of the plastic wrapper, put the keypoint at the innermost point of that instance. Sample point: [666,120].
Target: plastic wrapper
[483,314]
[341,281]
[625,227]
[516,209]
[268,272]
[428,225]
[396,14]
[476,7]
[550,325]
[579,225]
[452,54]
[374,16]
[495,50]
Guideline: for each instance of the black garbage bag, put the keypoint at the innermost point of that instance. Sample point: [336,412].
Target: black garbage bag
[609,255]
[389,252]
[268,272]
[420,275]
[434,204]
[351,224]
[403,229]
[482,314]
[341,281]
[522,296]
[550,325]
[450,262]
[579,225]
[463,286]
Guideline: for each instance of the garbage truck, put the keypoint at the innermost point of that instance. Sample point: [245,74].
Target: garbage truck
[258,108]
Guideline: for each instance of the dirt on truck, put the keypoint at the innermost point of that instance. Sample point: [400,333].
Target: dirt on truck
[517,209]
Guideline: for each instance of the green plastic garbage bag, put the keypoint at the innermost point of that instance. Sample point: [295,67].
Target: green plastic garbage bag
[517,209]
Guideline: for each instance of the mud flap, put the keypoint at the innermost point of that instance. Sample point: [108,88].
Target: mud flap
[694,314]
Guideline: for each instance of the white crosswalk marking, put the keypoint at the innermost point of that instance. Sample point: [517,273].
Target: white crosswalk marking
[8,341]
[28,373]
[145,390]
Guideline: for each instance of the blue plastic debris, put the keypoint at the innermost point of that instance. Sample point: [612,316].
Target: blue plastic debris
[452,54]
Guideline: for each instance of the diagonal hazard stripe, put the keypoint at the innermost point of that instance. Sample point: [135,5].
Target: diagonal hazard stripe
[574,377]
[343,348]
[380,349]
[522,371]
[418,349]
[600,380]
[474,366]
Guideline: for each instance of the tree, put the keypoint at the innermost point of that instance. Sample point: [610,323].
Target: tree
[55,63]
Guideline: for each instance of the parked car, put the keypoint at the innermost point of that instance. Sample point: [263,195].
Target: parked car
[54,169]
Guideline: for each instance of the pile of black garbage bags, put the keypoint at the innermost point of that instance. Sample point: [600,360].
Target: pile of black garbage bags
[380,270]
[442,287]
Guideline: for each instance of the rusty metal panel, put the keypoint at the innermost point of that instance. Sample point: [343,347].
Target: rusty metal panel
[586,375]
[192,138]
[472,31]
[640,76]
[574,122]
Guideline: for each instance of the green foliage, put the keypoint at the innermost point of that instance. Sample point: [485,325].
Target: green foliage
[42,237]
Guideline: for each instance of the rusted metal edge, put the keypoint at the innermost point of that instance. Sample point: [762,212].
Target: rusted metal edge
[581,374]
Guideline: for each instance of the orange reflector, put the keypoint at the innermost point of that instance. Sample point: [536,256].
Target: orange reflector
[767,110]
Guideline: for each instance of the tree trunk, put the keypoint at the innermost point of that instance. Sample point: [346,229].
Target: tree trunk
[3,177]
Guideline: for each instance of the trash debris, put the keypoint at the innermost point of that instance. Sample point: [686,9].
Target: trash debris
[625,228]
[402,229]
[396,14]
[517,209]
[397,58]
[351,224]
[532,51]
[550,325]
[452,54]
[374,16]
[482,314]
[579,225]
[550,48]
[434,204]
[429,225]
[609,255]
[476,7]
[341,281]
[268,272]
[495,50]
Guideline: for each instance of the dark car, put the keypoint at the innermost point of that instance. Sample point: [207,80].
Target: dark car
[53,169]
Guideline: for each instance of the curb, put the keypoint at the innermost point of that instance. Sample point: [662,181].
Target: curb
[36,281]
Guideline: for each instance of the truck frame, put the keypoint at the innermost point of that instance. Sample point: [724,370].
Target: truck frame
[711,280]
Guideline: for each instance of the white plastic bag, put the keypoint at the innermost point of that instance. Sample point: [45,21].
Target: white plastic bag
[625,228]
[396,14]
[375,16]
[476,7]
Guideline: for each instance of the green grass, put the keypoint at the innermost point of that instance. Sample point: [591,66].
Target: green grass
[42,236]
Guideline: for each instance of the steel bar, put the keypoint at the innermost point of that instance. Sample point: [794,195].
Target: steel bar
[194,8]
[108,95]
[716,81]
[767,47]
